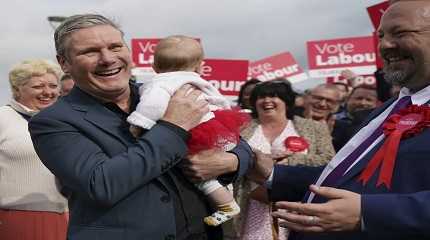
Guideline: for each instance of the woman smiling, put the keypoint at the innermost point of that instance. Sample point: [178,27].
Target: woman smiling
[290,140]
[31,206]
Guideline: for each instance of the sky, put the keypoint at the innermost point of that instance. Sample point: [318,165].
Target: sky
[229,29]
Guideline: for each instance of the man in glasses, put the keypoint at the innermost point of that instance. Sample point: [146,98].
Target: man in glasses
[321,102]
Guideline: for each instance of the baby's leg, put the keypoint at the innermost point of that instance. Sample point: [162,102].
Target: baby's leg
[222,199]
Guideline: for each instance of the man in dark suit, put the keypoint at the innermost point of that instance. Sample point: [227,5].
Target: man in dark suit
[120,187]
[385,205]
[362,100]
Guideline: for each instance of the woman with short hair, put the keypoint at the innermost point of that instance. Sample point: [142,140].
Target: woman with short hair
[31,205]
[290,139]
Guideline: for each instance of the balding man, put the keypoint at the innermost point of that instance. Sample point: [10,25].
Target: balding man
[366,191]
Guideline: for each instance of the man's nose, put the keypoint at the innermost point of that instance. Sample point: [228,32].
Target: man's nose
[386,42]
[107,56]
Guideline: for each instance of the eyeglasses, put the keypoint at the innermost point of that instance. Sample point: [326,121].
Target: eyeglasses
[330,102]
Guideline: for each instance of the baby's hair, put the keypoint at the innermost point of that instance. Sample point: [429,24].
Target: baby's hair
[178,53]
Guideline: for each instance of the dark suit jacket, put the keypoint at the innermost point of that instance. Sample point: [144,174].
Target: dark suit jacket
[402,212]
[118,183]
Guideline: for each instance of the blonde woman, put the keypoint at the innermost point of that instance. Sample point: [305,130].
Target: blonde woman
[31,206]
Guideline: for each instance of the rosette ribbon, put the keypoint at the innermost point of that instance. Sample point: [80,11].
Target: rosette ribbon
[406,123]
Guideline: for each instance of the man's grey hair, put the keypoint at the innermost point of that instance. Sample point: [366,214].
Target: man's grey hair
[77,22]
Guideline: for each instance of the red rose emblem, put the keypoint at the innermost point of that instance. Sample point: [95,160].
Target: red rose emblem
[296,144]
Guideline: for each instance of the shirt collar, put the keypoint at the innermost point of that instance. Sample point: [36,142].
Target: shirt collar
[21,108]
[418,98]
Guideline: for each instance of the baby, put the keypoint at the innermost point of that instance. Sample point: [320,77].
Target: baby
[178,61]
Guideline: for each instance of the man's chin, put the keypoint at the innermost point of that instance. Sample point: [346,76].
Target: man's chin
[395,77]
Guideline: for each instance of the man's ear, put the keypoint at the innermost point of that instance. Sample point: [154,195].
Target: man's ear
[63,64]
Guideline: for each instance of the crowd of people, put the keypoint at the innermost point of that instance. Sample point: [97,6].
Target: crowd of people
[85,153]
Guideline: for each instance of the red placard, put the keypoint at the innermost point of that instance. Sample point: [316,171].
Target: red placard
[142,51]
[282,65]
[376,11]
[369,80]
[225,74]
[379,61]
[329,57]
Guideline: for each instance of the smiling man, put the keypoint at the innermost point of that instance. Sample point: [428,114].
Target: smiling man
[367,191]
[118,186]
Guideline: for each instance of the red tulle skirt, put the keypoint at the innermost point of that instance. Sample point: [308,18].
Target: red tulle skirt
[221,132]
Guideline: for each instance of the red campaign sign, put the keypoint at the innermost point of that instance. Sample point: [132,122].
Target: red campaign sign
[376,11]
[282,65]
[379,61]
[359,80]
[330,57]
[142,51]
[225,74]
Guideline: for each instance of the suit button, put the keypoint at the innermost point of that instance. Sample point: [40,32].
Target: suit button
[165,199]
[169,237]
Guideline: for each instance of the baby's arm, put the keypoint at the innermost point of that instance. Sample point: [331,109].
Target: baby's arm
[152,106]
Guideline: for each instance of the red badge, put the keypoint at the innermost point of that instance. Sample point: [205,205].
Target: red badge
[296,144]
[407,123]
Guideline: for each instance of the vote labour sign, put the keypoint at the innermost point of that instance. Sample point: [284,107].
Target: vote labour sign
[329,57]
[278,66]
[225,74]
[142,51]
[376,11]
[368,80]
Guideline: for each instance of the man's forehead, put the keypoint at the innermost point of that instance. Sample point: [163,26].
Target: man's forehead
[92,35]
[365,91]
[412,13]
[322,90]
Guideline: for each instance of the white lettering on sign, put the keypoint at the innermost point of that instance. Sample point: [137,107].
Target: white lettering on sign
[335,48]
[142,60]
[147,53]
[367,80]
[345,59]
[260,68]
[206,71]
[147,47]
[226,85]
[266,76]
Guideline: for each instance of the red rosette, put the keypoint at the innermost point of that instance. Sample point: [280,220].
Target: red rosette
[406,123]
[296,144]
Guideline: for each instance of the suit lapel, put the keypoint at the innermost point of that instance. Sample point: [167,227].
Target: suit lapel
[97,114]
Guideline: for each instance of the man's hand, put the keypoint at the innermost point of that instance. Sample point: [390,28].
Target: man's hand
[184,109]
[342,212]
[262,169]
[209,164]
